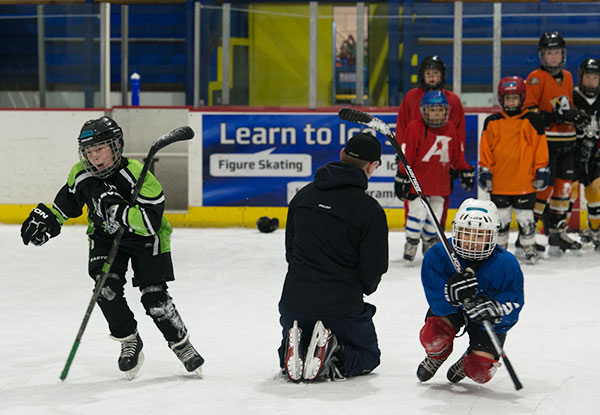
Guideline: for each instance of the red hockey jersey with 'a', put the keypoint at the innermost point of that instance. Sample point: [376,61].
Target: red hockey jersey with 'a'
[431,152]
[410,110]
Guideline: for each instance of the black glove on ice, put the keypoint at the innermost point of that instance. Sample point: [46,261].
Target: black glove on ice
[40,226]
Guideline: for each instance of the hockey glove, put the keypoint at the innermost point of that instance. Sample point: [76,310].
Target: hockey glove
[107,200]
[482,308]
[564,114]
[40,226]
[467,179]
[542,178]
[485,179]
[460,287]
[402,186]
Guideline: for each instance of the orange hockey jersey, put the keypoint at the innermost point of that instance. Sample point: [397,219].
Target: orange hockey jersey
[513,148]
[541,89]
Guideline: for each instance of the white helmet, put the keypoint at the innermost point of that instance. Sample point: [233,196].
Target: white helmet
[475,229]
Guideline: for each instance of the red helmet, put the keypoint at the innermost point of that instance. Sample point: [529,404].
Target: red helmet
[511,85]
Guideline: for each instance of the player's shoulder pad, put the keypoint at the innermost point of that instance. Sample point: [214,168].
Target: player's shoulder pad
[77,173]
[535,120]
[493,117]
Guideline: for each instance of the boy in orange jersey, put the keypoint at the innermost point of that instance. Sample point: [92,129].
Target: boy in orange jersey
[550,94]
[513,164]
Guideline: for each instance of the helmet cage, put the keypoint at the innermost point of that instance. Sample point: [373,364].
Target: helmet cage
[475,230]
[107,171]
[589,65]
[97,133]
[431,103]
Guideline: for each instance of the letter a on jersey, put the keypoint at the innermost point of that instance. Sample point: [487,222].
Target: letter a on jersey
[439,148]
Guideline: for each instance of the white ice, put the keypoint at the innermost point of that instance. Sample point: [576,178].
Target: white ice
[227,286]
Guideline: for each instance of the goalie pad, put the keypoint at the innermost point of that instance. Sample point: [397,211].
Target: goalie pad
[437,337]
[480,368]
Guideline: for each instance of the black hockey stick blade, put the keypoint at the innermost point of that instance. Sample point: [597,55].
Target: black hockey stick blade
[350,114]
[178,134]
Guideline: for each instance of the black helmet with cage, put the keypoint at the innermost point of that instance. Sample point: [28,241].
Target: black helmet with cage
[589,65]
[99,135]
[552,40]
[432,62]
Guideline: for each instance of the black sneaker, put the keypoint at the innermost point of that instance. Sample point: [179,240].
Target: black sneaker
[190,358]
[456,373]
[131,357]
[427,368]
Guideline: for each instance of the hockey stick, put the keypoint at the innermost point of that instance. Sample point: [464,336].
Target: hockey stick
[359,117]
[178,134]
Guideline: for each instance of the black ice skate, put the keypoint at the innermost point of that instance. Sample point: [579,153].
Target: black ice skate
[590,237]
[319,364]
[427,368]
[538,247]
[456,373]
[294,361]
[528,253]
[190,358]
[559,240]
[410,249]
[131,357]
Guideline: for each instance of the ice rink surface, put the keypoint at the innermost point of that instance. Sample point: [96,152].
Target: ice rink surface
[228,283]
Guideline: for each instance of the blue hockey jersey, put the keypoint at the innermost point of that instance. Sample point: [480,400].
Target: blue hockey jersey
[499,277]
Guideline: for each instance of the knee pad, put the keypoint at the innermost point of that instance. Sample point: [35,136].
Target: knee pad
[112,288]
[525,221]
[505,216]
[480,368]
[154,296]
[437,337]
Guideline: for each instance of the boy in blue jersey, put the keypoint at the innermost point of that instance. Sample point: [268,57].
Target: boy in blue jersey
[490,287]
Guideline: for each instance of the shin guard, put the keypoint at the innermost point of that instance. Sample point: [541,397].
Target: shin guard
[437,337]
[480,368]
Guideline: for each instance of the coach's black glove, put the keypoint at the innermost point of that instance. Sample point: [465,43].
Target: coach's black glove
[107,200]
[485,179]
[542,178]
[40,226]
[461,286]
[402,186]
[467,179]
[482,308]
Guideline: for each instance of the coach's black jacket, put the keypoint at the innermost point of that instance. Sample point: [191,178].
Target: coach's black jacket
[336,243]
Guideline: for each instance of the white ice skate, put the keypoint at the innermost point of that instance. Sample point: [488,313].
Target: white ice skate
[294,363]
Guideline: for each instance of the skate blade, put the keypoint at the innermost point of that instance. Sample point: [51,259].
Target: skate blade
[130,374]
[557,251]
[294,366]
[409,263]
[312,365]
[197,373]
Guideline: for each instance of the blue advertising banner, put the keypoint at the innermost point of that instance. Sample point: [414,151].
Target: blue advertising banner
[263,158]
